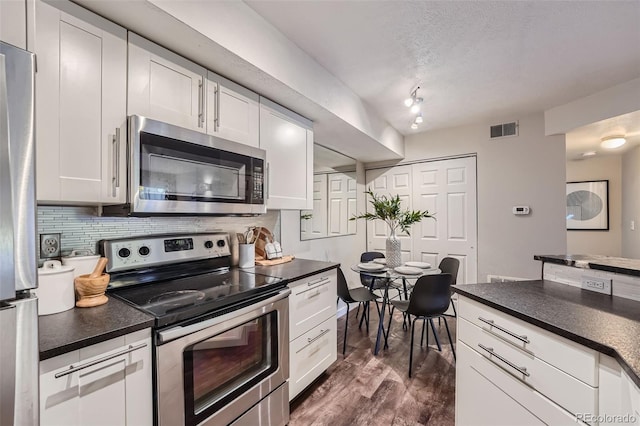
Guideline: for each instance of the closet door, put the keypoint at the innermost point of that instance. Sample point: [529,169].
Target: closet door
[448,188]
[390,182]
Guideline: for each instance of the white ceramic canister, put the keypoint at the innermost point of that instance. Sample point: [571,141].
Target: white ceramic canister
[55,288]
[83,261]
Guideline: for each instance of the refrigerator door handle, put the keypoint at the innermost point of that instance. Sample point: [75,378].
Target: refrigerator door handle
[7,363]
[7,266]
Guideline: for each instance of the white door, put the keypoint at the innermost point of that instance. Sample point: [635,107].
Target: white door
[389,182]
[316,225]
[447,188]
[341,203]
[233,112]
[164,86]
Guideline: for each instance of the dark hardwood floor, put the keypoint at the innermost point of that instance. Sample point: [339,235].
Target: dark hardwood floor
[363,389]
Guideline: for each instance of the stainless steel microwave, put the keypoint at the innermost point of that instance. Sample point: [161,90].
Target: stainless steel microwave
[176,171]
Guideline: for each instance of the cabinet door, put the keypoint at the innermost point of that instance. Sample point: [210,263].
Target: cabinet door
[164,86]
[312,301]
[80,105]
[288,140]
[233,111]
[13,22]
[116,390]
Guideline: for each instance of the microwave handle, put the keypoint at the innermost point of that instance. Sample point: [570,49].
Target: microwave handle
[267,180]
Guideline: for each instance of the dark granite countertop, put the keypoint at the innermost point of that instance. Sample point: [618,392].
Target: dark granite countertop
[296,269]
[80,327]
[607,324]
[618,265]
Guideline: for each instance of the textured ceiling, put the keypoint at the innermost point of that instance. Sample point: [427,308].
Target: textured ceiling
[587,138]
[475,61]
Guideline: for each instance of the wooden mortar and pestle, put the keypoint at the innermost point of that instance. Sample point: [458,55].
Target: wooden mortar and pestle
[90,288]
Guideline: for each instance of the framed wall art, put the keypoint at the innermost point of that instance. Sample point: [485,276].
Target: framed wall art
[588,205]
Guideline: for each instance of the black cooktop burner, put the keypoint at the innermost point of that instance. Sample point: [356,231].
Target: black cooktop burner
[171,300]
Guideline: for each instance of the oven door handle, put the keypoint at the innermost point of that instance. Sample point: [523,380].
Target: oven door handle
[180,331]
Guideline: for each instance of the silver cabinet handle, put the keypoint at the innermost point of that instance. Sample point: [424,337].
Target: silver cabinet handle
[268,180]
[521,370]
[520,337]
[73,369]
[311,340]
[201,103]
[319,283]
[217,106]
[115,181]
[319,280]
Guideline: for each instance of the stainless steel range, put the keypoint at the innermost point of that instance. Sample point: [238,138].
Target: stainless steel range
[221,333]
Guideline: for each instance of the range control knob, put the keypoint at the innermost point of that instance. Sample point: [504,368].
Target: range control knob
[221,243]
[208,244]
[144,251]
[124,252]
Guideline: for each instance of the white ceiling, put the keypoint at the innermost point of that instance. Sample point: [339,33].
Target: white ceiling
[475,61]
[587,138]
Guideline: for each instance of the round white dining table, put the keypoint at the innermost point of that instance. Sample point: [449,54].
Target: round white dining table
[390,275]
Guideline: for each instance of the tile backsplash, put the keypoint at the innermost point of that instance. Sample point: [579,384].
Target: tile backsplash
[81,227]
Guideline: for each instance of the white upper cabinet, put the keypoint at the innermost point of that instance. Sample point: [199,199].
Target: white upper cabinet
[288,140]
[80,105]
[233,111]
[164,86]
[13,22]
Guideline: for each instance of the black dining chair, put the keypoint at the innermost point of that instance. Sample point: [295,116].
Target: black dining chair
[450,265]
[430,299]
[375,283]
[359,295]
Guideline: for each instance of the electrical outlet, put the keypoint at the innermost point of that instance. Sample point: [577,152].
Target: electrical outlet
[49,246]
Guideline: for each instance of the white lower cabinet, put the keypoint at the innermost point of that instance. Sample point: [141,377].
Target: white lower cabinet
[109,383]
[619,399]
[510,372]
[13,22]
[312,329]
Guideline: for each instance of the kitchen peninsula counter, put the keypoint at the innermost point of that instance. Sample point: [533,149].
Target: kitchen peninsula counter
[607,324]
[618,265]
[80,327]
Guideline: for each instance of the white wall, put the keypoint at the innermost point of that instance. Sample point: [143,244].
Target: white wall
[345,250]
[524,170]
[631,204]
[607,243]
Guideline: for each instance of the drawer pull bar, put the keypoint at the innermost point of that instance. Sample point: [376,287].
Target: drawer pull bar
[522,370]
[311,340]
[319,280]
[510,333]
[73,369]
[313,288]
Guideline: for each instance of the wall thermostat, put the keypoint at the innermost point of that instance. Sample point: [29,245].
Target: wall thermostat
[520,209]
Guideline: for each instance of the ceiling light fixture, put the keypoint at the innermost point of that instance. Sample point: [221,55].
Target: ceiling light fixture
[414,126]
[418,119]
[589,154]
[413,101]
[612,142]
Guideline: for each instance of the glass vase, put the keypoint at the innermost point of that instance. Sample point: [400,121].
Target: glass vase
[394,257]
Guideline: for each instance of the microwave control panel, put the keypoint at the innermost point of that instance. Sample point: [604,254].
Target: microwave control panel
[133,253]
[257,197]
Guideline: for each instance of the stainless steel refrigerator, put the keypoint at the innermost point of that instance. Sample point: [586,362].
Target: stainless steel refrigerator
[18,263]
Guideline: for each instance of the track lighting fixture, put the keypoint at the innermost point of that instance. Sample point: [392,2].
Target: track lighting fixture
[418,119]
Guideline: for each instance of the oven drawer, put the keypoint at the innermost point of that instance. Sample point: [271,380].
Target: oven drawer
[271,411]
[312,301]
[311,354]
[568,356]
[565,390]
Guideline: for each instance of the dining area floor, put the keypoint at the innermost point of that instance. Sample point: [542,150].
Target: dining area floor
[363,389]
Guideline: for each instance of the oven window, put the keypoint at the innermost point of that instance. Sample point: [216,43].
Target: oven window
[182,171]
[224,366]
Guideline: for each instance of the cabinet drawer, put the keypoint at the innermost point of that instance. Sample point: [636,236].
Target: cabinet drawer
[312,301]
[565,390]
[568,356]
[486,395]
[311,354]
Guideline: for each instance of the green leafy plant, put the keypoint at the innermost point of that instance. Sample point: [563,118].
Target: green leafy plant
[306,216]
[389,210]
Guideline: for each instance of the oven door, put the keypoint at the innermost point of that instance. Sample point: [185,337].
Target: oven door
[213,371]
[177,170]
